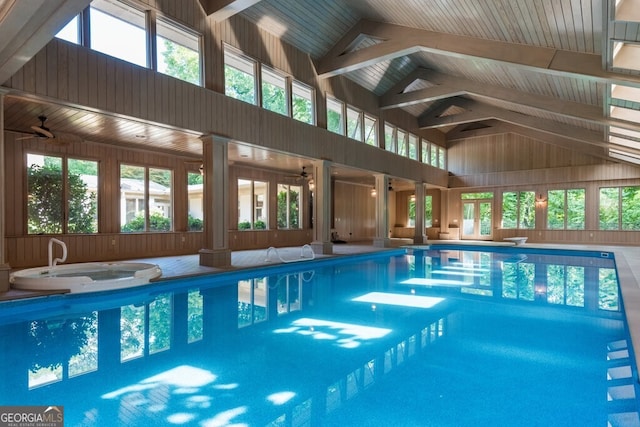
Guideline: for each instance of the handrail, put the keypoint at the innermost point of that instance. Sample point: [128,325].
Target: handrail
[53,262]
[302,257]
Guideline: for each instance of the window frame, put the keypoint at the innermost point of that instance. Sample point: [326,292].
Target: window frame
[241,63]
[184,33]
[146,199]
[335,102]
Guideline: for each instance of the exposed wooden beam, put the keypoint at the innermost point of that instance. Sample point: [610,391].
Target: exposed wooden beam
[220,10]
[450,86]
[475,111]
[27,26]
[397,41]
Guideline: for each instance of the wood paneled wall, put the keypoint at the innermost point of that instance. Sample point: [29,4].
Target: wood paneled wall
[354,215]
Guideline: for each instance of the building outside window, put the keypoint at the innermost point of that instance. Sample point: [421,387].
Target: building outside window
[289,202]
[141,187]
[195,196]
[60,189]
[253,208]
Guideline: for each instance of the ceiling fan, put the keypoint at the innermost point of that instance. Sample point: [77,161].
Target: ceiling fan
[302,175]
[43,132]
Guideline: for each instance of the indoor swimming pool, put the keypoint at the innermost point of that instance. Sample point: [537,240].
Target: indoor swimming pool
[441,336]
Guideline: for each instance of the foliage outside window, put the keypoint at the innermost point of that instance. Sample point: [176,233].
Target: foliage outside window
[302,102]
[428,211]
[252,205]
[335,116]
[518,210]
[141,187]
[476,196]
[401,137]
[195,195]
[62,196]
[619,208]
[289,206]
[274,91]
[178,52]
[566,209]
[239,76]
[354,123]
[119,30]
[252,301]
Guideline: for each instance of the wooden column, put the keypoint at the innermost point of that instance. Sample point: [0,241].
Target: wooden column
[419,237]
[322,208]
[4,265]
[381,238]
[216,252]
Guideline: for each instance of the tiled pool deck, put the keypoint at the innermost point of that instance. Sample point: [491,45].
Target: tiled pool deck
[627,262]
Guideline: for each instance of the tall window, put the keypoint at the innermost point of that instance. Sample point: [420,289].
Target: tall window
[119,30]
[239,76]
[442,158]
[428,211]
[60,189]
[302,103]
[354,123]
[195,194]
[566,209]
[335,116]
[274,91]
[370,130]
[402,142]
[433,156]
[289,198]
[141,187]
[252,205]
[178,52]
[518,209]
[619,208]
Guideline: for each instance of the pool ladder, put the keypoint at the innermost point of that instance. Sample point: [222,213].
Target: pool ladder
[53,262]
[302,250]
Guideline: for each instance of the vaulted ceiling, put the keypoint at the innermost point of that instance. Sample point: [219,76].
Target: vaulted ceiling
[562,71]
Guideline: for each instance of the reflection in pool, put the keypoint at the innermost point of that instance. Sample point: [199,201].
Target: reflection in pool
[449,337]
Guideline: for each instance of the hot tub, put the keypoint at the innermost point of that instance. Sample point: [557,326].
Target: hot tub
[85,277]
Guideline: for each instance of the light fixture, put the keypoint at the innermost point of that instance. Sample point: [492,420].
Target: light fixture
[374,193]
[412,198]
[312,185]
[201,169]
[541,201]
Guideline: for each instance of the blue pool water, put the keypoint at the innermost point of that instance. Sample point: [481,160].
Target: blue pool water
[448,337]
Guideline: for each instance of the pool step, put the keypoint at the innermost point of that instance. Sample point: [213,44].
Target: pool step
[621,390]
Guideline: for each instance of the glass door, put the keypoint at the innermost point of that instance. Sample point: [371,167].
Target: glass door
[476,219]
